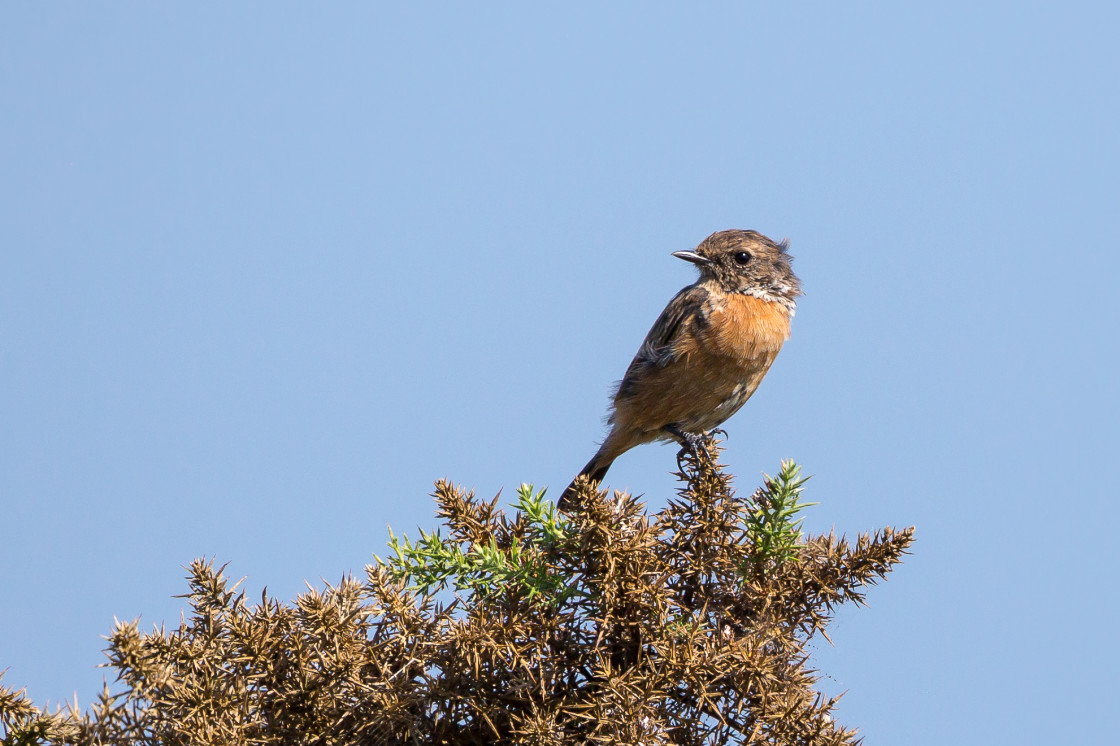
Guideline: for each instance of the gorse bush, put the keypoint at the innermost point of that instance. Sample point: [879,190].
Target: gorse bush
[603,624]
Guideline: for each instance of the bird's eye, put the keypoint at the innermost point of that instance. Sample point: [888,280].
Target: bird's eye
[742,257]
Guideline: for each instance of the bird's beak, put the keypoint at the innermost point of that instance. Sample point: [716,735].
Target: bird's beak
[692,256]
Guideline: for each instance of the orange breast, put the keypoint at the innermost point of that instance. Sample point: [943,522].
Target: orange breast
[747,327]
[717,368]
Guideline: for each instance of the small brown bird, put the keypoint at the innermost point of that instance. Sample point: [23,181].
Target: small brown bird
[707,352]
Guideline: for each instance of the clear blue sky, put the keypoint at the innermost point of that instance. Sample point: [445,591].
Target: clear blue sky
[268,271]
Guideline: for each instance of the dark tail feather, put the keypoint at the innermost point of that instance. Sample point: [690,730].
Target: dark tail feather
[595,470]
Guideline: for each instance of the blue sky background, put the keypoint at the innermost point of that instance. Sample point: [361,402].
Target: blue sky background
[268,271]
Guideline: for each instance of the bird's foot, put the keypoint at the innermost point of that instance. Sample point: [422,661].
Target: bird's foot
[692,444]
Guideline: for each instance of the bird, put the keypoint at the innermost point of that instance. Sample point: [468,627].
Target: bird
[707,352]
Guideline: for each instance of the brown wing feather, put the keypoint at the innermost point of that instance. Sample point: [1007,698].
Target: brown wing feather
[659,349]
